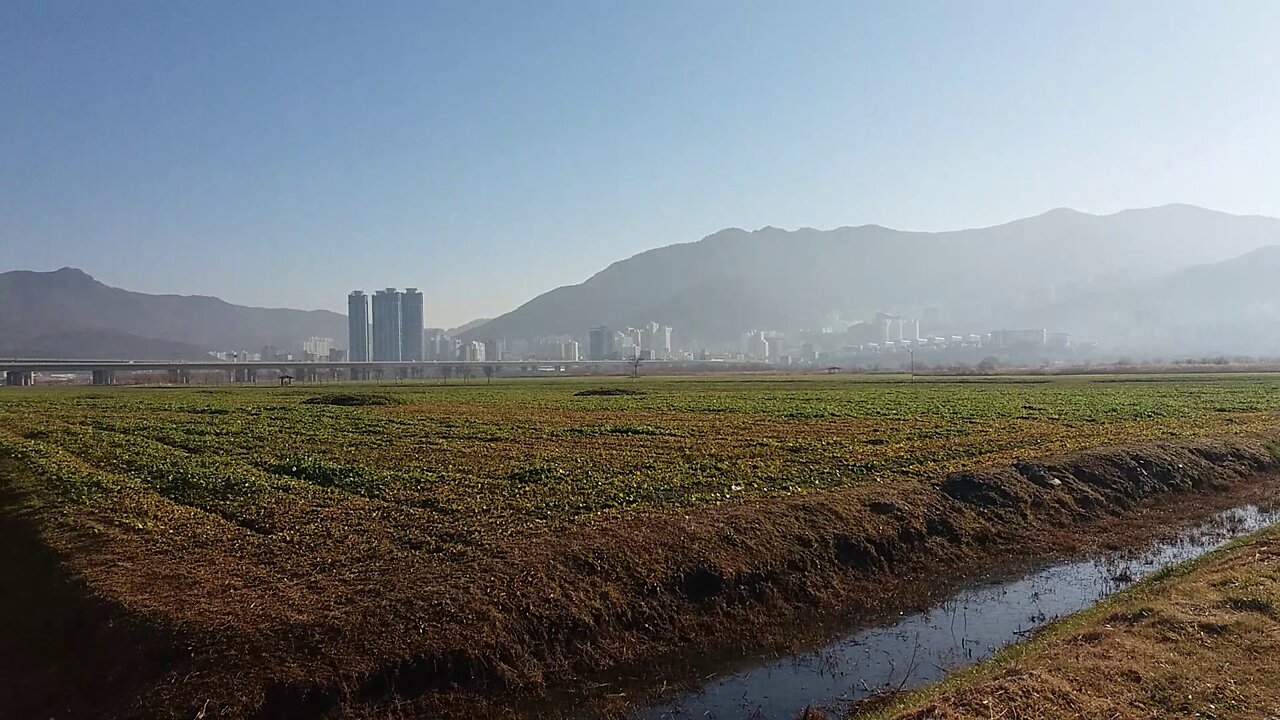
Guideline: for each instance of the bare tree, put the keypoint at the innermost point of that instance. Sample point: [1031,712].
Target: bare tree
[635,366]
[445,371]
[468,371]
[489,372]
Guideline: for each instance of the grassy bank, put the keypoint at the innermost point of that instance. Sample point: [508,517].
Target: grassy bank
[1196,641]
[290,552]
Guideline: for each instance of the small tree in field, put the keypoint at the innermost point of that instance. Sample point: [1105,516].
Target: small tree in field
[489,372]
[468,372]
[445,371]
[635,366]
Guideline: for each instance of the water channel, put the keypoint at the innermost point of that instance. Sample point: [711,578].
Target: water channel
[922,647]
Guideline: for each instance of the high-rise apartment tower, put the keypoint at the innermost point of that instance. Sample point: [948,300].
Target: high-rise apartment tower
[386,325]
[357,326]
[411,325]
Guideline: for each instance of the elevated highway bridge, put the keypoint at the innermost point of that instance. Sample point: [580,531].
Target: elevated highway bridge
[17,372]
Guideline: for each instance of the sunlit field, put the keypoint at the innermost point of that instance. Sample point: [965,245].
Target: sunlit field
[483,460]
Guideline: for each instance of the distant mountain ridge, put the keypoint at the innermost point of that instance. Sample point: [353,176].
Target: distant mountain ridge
[1146,279]
[734,280]
[67,313]
[1227,307]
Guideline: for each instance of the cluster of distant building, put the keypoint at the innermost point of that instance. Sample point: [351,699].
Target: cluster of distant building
[651,342]
[314,349]
[440,346]
[388,326]
[888,334]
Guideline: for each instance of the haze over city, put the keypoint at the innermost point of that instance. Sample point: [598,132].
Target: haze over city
[489,152]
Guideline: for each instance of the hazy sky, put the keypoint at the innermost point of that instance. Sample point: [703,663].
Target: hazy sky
[284,153]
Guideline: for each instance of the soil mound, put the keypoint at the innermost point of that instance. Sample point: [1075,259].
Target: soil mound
[352,399]
[608,392]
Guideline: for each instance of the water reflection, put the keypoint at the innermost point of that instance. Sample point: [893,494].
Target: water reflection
[923,647]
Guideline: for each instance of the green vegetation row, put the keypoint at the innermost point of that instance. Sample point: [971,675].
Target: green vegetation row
[473,462]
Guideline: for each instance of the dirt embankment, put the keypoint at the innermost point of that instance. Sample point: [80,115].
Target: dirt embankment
[1199,641]
[486,634]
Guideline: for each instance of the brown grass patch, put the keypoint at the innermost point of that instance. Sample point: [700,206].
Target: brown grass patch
[246,621]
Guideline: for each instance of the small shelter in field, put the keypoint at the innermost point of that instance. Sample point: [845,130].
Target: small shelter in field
[286,379]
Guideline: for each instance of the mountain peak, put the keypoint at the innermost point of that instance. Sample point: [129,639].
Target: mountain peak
[1062,213]
[71,273]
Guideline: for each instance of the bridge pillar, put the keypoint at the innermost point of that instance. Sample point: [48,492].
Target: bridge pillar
[103,377]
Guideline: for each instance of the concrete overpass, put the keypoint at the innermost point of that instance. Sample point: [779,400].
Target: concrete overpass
[18,372]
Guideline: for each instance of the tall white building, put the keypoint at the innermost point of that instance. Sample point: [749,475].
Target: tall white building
[317,348]
[569,351]
[473,351]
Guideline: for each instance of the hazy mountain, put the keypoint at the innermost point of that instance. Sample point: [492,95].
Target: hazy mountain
[99,344]
[736,280]
[67,313]
[1228,307]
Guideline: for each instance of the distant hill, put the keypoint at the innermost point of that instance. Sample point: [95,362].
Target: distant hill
[1228,307]
[99,344]
[67,313]
[735,280]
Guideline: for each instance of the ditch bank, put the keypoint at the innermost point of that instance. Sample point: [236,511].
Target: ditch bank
[586,619]
[870,666]
[1196,640]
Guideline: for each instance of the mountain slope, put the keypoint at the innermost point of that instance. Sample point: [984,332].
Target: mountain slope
[1228,307]
[99,344]
[67,313]
[706,289]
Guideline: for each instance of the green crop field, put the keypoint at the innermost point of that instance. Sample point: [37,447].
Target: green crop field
[472,462]
[266,548]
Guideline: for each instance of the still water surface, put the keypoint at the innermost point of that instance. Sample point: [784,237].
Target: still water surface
[969,626]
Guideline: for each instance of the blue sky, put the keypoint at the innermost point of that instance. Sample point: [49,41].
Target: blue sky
[284,153]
